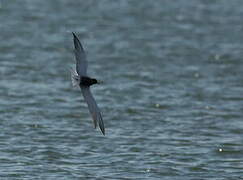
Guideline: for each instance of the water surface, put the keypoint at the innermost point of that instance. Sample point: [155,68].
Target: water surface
[171,99]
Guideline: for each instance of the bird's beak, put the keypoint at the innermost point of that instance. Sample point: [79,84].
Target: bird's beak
[100,82]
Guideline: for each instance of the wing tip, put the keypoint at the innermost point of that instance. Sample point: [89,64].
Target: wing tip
[102,130]
[77,43]
[101,125]
[74,35]
[100,122]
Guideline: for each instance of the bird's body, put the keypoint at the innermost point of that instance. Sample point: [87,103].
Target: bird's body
[79,77]
[87,81]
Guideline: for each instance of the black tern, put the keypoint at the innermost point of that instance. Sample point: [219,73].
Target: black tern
[79,77]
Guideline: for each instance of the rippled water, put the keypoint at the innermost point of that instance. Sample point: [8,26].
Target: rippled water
[171,100]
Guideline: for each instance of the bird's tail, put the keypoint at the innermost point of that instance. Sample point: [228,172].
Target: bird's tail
[75,78]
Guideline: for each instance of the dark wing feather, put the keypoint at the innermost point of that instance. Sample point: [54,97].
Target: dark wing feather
[93,108]
[81,62]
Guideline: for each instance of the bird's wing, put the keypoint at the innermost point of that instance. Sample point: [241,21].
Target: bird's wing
[93,108]
[81,62]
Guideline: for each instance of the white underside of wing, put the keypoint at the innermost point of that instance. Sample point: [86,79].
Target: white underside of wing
[81,62]
[93,108]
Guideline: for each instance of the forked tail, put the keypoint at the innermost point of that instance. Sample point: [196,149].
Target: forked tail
[75,78]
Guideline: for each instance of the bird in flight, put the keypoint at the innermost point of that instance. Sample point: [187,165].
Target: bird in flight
[80,78]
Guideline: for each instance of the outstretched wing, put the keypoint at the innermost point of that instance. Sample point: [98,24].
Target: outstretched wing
[81,62]
[93,108]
